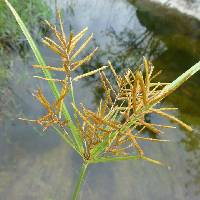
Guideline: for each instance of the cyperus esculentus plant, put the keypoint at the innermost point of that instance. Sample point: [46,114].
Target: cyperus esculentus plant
[112,132]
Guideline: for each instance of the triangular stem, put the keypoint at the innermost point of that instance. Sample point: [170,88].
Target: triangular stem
[80,181]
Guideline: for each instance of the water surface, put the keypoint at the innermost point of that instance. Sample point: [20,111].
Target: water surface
[37,166]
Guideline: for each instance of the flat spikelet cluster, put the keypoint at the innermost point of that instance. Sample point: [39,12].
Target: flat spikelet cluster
[115,128]
[120,118]
[67,49]
[68,52]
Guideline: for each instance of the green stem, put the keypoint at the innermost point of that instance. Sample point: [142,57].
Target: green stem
[81,179]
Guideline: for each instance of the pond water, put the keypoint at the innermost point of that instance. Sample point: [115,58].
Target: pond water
[35,166]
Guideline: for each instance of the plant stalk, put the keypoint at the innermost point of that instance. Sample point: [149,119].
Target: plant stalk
[80,181]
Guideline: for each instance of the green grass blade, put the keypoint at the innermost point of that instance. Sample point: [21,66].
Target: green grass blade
[97,150]
[78,138]
[102,146]
[179,81]
[47,74]
[111,159]
[122,158]
[83,172]
[65,138]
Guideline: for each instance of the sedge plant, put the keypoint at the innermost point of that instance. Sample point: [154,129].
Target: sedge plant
[112,131]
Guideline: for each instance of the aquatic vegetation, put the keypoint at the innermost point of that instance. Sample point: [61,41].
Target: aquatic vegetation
[10,34]
[112,132]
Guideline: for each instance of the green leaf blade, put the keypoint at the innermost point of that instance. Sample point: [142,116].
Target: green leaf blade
[178,82]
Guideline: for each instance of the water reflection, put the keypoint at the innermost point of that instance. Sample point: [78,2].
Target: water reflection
[192,145]
[128,48]
[125,31]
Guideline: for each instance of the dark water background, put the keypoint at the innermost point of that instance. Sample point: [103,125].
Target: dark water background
[37,167]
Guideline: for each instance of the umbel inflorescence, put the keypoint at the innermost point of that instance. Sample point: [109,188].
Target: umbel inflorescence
[114,129]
